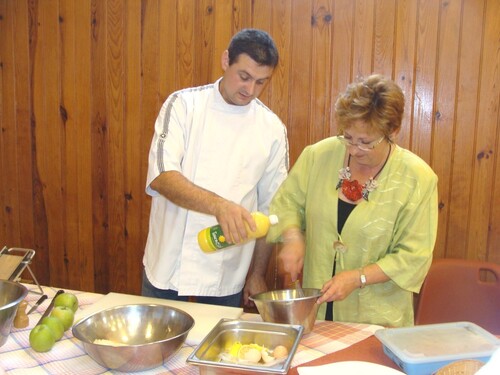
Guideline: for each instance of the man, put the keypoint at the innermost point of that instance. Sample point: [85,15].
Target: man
[218,153]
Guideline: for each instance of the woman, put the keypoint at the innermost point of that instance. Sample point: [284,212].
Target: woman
[358,213]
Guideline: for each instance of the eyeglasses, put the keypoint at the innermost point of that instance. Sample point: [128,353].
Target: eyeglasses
[363,146]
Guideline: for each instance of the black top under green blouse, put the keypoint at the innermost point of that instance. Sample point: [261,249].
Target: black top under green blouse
[343,213]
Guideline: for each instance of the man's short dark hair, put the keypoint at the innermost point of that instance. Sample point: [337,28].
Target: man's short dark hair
[255,43]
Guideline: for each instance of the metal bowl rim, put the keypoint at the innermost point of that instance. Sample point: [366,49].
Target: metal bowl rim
[77,334]
[18,300]
[255,297]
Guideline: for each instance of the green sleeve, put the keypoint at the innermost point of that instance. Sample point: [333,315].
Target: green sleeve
[289,202]
[414,235]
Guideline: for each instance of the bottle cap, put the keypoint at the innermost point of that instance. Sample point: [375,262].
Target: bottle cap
[273,219]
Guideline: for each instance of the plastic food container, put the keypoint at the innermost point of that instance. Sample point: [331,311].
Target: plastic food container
[424,349]
[227,332]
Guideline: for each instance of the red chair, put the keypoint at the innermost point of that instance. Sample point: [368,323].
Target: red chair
[461,290]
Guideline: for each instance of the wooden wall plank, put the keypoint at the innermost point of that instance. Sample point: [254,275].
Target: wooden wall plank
[278,88]
[116,144]
[320,86]
[242,17]
[82,116]
[363,38]
[491,67]
[8,141]
[225,22]
[342,51]
[492,36]
[262,17]
[204,62]
[99,143]
[446,87]
[23,126]
[49,135]
[153,94]
[383,38]
[466,117]
[167,48]
[423,107]
[404,62]
[4,34]
[300,75]
[70,155]
[135,153]
[41,266]
[186,11]
[487,127]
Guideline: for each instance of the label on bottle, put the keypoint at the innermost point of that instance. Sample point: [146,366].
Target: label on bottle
[217,237]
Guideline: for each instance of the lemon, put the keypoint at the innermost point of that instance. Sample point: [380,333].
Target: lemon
[234,349]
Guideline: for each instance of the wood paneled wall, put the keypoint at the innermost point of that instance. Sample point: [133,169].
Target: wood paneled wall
[82,82]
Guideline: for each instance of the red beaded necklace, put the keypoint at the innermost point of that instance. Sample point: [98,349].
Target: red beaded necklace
[353,190]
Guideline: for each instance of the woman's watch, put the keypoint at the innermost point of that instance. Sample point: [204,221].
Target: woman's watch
[362,278]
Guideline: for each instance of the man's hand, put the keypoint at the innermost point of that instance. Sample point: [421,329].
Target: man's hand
[255,284]
[256,278]
[234,220]
[231,216]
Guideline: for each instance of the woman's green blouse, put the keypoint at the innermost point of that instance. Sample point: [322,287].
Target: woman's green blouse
[396,229]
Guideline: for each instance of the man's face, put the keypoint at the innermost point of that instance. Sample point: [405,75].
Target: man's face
[244,80]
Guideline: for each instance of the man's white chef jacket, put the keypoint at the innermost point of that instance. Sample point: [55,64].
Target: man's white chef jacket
[239,153]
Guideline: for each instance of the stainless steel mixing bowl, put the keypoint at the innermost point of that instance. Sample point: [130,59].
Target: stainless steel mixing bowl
[289,306]
[133,337]
[11,295]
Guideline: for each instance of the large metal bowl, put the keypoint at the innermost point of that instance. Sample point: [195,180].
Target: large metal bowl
[133,337]
[289,306]
[11,295]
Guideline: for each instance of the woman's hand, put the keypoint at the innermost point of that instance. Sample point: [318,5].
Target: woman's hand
[344,283]
[340,286]
[292,253]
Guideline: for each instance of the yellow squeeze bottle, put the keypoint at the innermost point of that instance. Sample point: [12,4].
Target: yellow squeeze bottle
[211,239]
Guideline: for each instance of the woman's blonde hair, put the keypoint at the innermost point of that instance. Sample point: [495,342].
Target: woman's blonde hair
[374,100]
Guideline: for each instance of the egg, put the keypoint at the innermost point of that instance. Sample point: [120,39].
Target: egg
[280,351]
[267,356]
[249,353]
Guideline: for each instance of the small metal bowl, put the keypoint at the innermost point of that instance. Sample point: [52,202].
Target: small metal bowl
[133,337]
[11,295]
[289,306]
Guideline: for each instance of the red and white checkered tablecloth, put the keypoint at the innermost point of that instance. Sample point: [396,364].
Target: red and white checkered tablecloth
[69,357]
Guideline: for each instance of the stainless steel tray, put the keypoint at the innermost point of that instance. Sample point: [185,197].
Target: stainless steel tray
[227,332]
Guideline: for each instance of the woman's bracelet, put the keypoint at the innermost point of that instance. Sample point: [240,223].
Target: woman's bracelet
[362,278]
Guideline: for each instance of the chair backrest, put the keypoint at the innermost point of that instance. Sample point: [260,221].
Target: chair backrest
[456,290]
